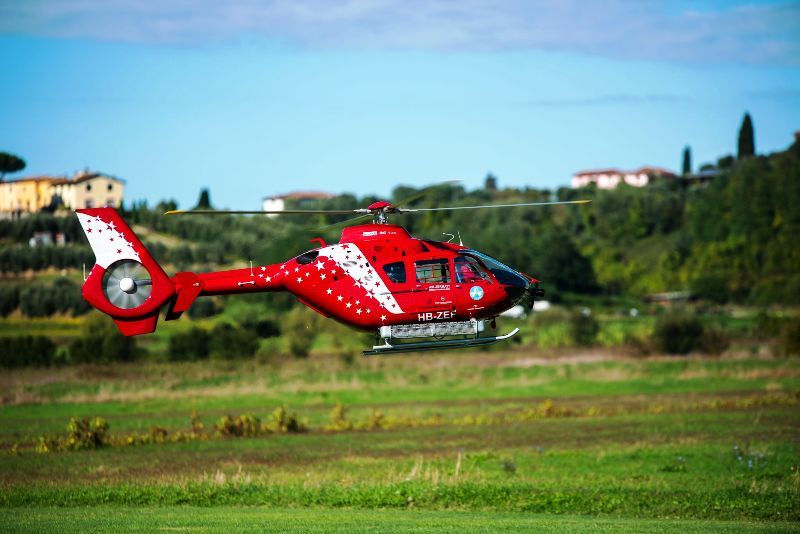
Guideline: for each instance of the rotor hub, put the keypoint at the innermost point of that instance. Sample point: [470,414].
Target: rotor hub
[127,285]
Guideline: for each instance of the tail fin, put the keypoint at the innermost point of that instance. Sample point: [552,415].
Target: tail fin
[126,282]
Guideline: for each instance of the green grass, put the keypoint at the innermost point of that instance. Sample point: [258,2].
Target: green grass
[262,519]
[628,441]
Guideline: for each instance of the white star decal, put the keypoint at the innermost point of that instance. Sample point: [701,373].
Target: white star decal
[329,291]
[263,269]
[268,279]
[383,317]
[319,265]
[286,273]
[296,269]
[349,305]
[340,298]
[322,276]
[299,279]
[358,302]
[369,311]
[261,276]
[333,271]
[358,311]
[307,274]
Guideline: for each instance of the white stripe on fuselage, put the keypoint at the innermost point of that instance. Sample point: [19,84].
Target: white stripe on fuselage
[350,259]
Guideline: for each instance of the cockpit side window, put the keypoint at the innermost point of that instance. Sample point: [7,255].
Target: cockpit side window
[396,272]
[308,257]
[433,272]
[469,270]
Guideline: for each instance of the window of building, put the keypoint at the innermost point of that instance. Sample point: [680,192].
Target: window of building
[433,272]
[469,270]
[88,187]
[110,187]
[396,272]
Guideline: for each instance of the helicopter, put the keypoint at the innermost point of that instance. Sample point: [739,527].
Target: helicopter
[414,294]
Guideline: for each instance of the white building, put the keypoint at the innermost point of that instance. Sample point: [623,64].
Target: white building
[611,178]
[299,198]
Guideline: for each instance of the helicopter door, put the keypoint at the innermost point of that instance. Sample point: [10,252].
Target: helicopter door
[434,285]
[472,283]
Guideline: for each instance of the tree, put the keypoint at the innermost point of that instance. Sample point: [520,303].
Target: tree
[204,202]
[687,161]
[747,141]
[10,163]
[491,182]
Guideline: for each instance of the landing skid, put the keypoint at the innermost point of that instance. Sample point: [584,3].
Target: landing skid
[444,344]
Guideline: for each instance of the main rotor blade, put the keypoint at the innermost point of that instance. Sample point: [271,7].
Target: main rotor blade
[260,212]
[341,224]
[495,206]
[423,192]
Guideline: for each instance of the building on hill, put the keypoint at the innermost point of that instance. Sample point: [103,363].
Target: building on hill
[611,178]
[84,190]
[300,199]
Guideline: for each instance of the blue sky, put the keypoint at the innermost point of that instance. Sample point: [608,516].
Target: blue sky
[266,96]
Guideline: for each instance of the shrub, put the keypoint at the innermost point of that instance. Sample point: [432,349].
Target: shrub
[339,420]
[299,333]
[583,328]
[789,341]
[9,299]
[44,299]
[229,342]
[202,308]
[102,342]
[86,433]
[245,425]
[714,341]
[189,346]
[283,421]
[23,351]
[678,333]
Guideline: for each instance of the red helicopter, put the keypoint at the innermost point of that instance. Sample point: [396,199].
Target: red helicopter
[416,294]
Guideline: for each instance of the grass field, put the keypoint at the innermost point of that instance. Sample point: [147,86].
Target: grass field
[494,441]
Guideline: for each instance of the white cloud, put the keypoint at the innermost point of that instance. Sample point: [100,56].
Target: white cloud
[639,29]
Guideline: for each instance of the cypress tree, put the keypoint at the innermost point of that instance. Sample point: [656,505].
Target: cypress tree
[687,160]
[204,202]
[747,142]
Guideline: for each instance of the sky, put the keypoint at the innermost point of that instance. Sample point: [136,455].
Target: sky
[256,98]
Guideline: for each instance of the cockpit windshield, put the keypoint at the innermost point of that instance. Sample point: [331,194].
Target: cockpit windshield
[503,273]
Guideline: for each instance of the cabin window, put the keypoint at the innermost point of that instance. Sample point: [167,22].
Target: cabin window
[469,270]
[88,187]
[396,272]
[110,187]
[308,257]
[433,272]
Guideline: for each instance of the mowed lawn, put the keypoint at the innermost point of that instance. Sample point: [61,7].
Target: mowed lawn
[493,441]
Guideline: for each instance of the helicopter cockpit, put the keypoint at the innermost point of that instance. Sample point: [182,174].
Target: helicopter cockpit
[503,273]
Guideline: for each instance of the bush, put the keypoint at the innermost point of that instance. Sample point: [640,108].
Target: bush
[299,332]
[714,341]
[202,308]
[189,346]
[229,342]
[678,333]
[87,433]
[60,296]
[789,341]
[23,351]
[102,342]
[9,299]
[583,328]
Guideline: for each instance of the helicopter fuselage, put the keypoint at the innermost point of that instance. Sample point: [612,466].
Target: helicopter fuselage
[378,275]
